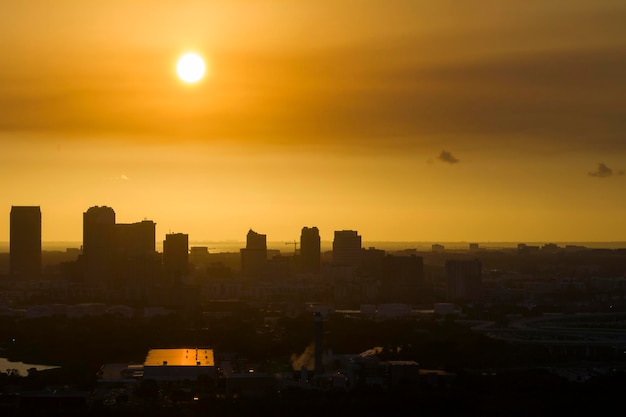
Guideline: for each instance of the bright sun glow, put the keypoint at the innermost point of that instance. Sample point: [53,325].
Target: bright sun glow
[190,67]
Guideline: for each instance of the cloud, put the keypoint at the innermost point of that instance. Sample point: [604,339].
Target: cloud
[121,177]
[446,156]
[604,171]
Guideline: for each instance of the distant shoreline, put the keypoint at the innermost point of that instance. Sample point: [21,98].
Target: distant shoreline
[234,246]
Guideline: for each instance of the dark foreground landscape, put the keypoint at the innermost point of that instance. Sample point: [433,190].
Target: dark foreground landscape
[463,372]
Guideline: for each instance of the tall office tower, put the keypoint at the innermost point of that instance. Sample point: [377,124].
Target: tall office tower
[256,240]
[463,280]
[310,250]
[25,242]
[347,248]
[254,256]
[99,245]
[136,258]
[135,239]
[176,256]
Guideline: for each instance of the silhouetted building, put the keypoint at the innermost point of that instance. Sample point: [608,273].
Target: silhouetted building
[99,245]
[136,257]
[118,255]
[199,254]
[279,267]
[347,248]
[25,242]
[254,255]
[310,250]
[463,280]
[437,248]
[176,256]
[403,278]
[372,262]
[524,249]
[135,239]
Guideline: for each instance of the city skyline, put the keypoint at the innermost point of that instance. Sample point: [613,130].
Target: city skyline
[306,232]
[403,120]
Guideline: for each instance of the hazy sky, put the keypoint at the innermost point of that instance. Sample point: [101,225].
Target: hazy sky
[404,120]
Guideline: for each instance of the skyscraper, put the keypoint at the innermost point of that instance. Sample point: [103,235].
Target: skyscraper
[99,244]
[175,255]
[25,242]
[136,258]
[347,248]
[133,240]
[310,250]
[254,255]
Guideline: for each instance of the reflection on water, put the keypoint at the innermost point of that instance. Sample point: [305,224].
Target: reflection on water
[21,367]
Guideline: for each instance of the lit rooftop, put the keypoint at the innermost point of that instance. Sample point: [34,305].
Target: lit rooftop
[180,357]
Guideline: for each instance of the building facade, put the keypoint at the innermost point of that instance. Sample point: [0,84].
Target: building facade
[176,256]
[463,280]
[310,250]
[98,245]
[254,255]
[25,242]
[136,260]
[347,249]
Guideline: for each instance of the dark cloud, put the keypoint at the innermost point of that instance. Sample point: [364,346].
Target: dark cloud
[604,171]
[446,156]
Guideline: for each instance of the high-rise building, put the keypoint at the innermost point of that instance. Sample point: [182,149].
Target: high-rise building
[25,242]
[135,239]
[99,244]
[310,250]
[373,262]
[256,240]
[254,255]
[463,279]
[347,248]
[136,258]
[176,256]
[118,255]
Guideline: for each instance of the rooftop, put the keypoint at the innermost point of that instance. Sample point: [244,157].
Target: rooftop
[180,357]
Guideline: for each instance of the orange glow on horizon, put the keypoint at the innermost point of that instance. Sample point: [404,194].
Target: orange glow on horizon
[400,120]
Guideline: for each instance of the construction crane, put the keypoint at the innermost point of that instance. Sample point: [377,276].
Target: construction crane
[295,245]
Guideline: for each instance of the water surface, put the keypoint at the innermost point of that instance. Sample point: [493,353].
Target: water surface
[22,368]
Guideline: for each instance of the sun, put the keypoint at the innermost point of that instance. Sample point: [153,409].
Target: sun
[190,67]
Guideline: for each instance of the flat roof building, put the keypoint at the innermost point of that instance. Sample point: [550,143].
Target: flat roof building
[254,255]
[176,256]
[25,242]
[179,364]
[99,244]
[310,250]
[347,249]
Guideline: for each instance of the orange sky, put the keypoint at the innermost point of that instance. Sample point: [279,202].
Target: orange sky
[404,120]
